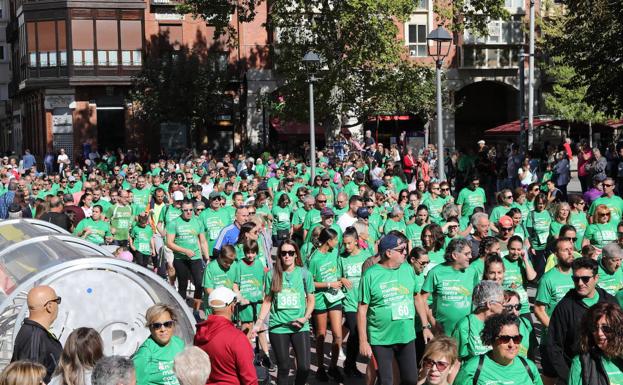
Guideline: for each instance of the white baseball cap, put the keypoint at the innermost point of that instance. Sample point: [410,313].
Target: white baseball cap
[221,297]
[178,196]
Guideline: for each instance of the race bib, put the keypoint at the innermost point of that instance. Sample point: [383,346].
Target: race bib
[334,295]
[402,310]
[122,223]
[288,299]
[353,271]
[283,217]
[214,233]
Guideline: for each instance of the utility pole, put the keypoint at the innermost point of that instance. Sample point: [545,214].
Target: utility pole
[531,79]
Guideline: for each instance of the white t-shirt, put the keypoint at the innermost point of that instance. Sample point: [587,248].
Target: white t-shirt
[528,179]
[345,220]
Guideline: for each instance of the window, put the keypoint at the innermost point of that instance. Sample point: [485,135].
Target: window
[61,30]
[172,33]
[131,42]
[2,52]
[500,32]
[480,57]
[83,44]
[514,5]
[421,4]
[107,42]
[46,39]
[31,34]
[417,40]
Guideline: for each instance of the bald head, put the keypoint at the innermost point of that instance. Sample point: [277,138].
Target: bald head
[42,305]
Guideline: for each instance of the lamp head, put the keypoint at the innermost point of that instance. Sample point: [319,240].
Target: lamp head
[311,61]
[441,42]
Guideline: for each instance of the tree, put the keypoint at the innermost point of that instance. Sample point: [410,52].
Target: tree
[366,71]
[178,84]
[589,42]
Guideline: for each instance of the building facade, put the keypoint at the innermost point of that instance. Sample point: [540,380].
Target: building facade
[73,66]
[5,76]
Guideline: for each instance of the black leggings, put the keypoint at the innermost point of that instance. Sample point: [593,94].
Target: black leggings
[407,363]
[186,269]
[352,347]
[140,258]
[302,351]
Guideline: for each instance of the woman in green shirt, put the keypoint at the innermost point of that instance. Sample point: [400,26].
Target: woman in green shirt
[537,225]
[577,218]
[349,269]
[502,364]
[282,222]
[289,298]
[561,218]
[154,358]
[601,231]
[323,267]
[601,348]
[513,305]
[487,300]
[433,241]
[414,230]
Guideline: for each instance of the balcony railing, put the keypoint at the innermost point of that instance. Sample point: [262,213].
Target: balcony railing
[164,2]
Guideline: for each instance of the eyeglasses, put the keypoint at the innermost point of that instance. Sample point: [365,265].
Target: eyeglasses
[319,201]
[289,253]
[603,214]
[503,339]
[423,263]
[608,185]
[57,300]
[511,307]
[198,209]
[441,365]
[572,239]
[581,203]
[445,189]
[584,278]
[606,329]
[159,325]
[370,207]
[401,249]
[252,212]
[187,210]
[506,229]
[509,197]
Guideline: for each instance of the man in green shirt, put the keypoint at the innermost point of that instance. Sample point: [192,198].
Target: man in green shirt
[313,216]
[610,199]
[214,219]
[471,197]
[121,219]
[141,194]
[610,274]
[185,237]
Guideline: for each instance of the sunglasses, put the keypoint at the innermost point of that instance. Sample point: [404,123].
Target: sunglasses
[503,339]
[441,365]
[57,300]
[289,253]
[608,185]
[581,203]
[584,278]
[603,214]
[159,325]
[319,201]
[509,197]
[187,210]
[423,263]
[445,189]
[401,249]
[198,209]
[572,239]
[511,307]
[506,228]
[252,212]
[604,328]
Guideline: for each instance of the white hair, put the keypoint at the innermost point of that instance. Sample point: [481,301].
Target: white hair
[192,366]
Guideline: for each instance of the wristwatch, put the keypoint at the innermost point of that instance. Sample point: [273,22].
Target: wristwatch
[427,326]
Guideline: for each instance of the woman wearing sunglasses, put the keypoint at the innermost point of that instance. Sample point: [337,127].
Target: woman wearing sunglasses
[289,298]
[154,358]
[438,361]
[602,231]
[502,364]
[512,305]
[601,348]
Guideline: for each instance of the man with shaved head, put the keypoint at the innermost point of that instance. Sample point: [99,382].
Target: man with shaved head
[34,341]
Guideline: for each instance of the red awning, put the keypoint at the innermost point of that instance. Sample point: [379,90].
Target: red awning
[386,118]
[294,128]
[615,123]
[514,127]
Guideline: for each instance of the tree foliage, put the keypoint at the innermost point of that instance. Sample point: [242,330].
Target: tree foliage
[586,38]
[182,85]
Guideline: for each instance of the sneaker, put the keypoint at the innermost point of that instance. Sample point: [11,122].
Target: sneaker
[353,372]
[321,375]
[342,355]
[335,373]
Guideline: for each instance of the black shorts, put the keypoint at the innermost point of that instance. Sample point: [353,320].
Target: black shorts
[337,306]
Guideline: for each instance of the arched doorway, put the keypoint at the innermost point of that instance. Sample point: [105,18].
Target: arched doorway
[480,106]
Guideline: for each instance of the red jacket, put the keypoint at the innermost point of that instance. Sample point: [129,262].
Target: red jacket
[230,351]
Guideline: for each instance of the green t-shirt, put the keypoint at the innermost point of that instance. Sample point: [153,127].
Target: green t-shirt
[290,303]
[493,373]
[281,218]
[515,279]
[121,219]
[169,213]
[323,268]
[251,286]
[467,335]
[469,200]
[105,205]
[614,203]
[414,234]
[186,235]
[141,236]
[579,221]
[349,267]
[99,230]
[299,216]
[600,234]
[391,224]
[141,197]
[154,363]
[537,226]
[391,309]
[497,213]
[525,209]
[213,221]
[552,288]
[451,291]
[436,258]
[614,371]
[434,207]
[311,218]
[214,276]
[611,283]
[591,301]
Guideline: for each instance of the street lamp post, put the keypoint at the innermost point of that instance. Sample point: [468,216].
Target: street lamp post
[439,49]
[311,62]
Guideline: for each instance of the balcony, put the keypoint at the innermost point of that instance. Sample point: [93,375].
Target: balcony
[165,2]
[490,57]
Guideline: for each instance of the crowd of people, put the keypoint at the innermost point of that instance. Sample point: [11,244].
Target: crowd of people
[486,277]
